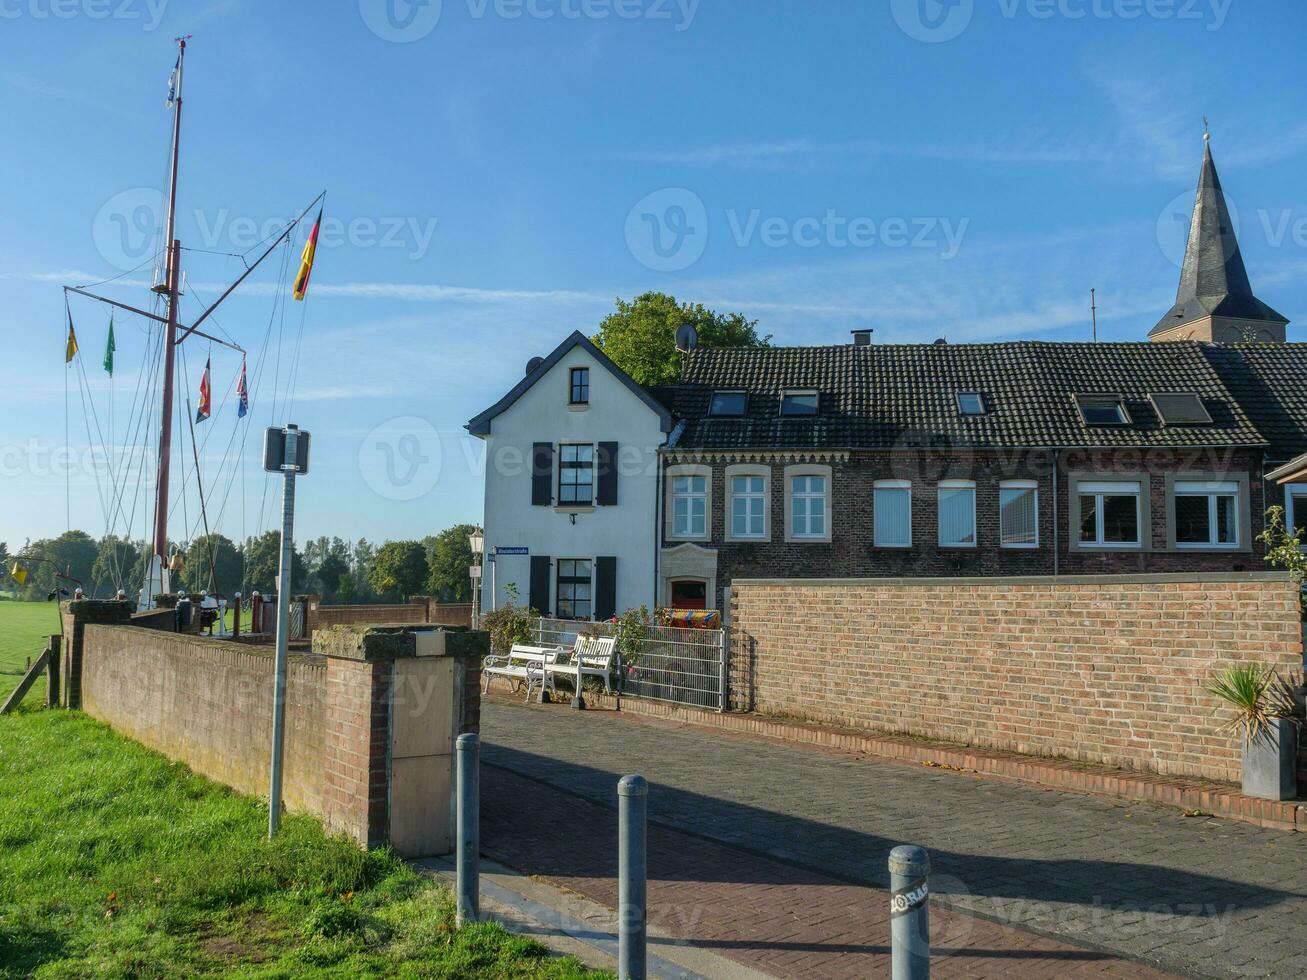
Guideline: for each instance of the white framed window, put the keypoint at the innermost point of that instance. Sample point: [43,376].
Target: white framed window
[689,516]
[807,503]
[957,514]
[1206,514]
[1102,410]
[748,500]
[892,514]
[1110,515]
[1295,509]
[728,403]
[1018,514]
[799,402]
[971,403]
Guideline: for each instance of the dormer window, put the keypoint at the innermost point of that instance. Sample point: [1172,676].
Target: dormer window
[971,403]
[579,386]
[798,402]
[1102,410]
[728,403]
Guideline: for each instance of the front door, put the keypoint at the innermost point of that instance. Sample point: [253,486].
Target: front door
[688,594]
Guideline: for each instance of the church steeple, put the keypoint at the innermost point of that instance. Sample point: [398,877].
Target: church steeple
[1215,301]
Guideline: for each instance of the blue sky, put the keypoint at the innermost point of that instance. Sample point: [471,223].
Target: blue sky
[499,173]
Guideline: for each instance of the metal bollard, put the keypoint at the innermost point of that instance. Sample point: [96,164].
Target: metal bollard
[632,807]
[909,869]
[469,828]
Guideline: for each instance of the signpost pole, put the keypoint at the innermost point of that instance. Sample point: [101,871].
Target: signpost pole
[288,462]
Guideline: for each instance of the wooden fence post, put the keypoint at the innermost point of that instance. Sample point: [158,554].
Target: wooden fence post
[52,673]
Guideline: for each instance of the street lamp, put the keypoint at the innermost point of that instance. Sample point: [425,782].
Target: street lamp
[477,539]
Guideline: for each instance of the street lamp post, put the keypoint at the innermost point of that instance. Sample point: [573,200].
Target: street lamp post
[477,539]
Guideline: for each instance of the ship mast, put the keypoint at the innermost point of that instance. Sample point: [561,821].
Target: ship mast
[171,287]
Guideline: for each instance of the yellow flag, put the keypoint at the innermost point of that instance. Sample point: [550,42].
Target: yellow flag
[306,260]
[71,350]
[18,573]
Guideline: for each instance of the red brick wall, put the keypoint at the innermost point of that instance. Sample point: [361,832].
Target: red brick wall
[1104,669]
[320,616]
[355,798]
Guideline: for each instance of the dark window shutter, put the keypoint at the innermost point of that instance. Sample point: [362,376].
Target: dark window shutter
[538,598]
[542,474]
[607,461]
[605,588]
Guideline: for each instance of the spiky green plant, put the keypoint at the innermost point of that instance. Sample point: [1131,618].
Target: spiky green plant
[1258,696]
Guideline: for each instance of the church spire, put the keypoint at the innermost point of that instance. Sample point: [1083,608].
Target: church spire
[1215,301]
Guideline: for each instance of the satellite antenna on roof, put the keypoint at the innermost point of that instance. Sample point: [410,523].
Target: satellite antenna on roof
[534,363]
[1093,308]
[687,338]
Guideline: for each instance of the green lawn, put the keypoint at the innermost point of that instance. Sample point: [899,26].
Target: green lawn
[119,863]
[24,628]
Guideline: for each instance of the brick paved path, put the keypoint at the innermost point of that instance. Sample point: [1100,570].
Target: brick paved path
[1197,896]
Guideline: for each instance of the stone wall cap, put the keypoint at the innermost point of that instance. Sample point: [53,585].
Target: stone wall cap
[1155,578]
[382,641]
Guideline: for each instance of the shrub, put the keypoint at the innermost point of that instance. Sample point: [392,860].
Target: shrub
[1284,550]
[1258,696]
[510,623]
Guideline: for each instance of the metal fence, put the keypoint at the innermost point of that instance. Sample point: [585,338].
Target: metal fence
[680,666]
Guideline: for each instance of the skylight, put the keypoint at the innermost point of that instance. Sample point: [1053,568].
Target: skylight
[1180,408]
[1102,410]
[971,403]
[798,403]
[728,403]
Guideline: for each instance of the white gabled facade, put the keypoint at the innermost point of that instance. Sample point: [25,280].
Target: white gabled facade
[572,479]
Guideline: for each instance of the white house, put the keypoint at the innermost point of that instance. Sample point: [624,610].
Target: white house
[572,487]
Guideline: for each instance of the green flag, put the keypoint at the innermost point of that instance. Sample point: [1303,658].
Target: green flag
[109,349]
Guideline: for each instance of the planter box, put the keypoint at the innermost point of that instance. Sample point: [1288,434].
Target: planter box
[1270,762]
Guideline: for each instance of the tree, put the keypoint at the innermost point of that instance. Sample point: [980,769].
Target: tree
[451,554]
[262,559]
[641,336]
[115,561]
[72,553]
[400,569]
[226,561]
[346,588]
[328,575]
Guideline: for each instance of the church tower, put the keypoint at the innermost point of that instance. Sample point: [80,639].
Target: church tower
[1216,302]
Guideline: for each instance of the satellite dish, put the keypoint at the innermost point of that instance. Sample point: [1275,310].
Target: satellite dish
[534,363]
[941,342]
[687,338]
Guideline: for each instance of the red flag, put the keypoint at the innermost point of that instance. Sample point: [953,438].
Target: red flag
[306,260]
[202,412]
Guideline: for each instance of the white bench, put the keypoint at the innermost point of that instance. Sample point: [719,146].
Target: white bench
[525,664]
[591,657]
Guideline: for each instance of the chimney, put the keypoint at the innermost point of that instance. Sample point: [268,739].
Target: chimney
[862,337]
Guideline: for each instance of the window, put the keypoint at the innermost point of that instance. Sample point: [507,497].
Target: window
[579,386]
[798,403]
[576,473]
[1109,515]
[748,506]
[1102,410]
[808,507]
[1018,514]
[689,506]
[728,403]
[1207,515]
[971,403]
[573,588]
[957,514]
[1180,408]
[892,514]
[1295,510]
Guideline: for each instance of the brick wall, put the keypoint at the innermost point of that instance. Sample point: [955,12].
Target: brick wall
[320,616]
[449,613]
[1103,669]
[852,551]
[209,703]
[371,715]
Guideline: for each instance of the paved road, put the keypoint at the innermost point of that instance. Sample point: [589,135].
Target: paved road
[1195,895]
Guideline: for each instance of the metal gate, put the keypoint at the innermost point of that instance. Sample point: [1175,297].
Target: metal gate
[678,666]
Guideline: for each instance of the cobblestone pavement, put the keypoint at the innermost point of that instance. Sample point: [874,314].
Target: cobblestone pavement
[1200,896]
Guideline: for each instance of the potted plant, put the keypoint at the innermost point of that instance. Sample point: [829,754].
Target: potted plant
[1267,712]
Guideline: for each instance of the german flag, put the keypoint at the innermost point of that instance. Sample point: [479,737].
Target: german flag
[306,260]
